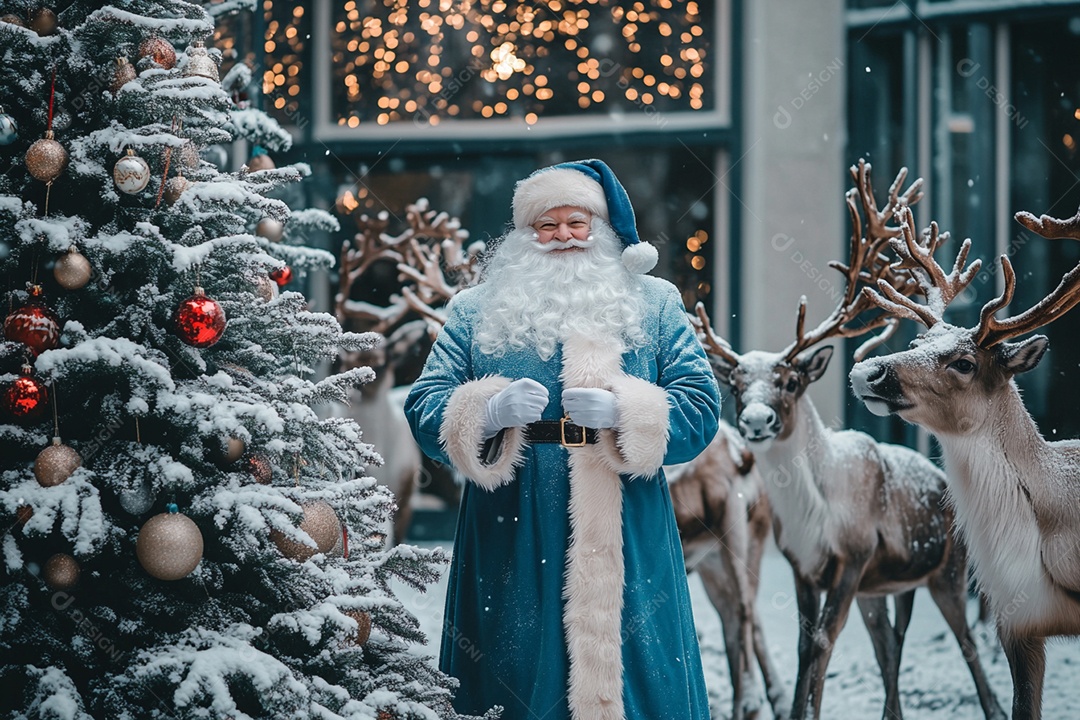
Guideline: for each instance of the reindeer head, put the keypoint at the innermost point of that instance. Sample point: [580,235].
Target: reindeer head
[767,386]
[949,377]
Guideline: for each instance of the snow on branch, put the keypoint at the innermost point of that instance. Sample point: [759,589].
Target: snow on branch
[74,503]
[260,129]
[153,25]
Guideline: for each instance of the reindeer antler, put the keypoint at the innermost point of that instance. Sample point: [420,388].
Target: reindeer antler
[713,343]
[866,265]
[1064,297]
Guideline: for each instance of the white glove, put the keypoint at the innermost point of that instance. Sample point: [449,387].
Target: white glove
[591,407]
[519,403]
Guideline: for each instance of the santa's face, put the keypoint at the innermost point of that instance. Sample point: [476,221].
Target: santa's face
[564,230]
[545,286]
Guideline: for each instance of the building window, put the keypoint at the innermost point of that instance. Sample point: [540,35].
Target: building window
[429,61]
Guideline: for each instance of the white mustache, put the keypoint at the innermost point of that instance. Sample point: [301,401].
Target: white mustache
[554,245]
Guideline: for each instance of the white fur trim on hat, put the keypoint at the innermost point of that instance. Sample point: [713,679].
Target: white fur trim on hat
[556,187]
[640,258]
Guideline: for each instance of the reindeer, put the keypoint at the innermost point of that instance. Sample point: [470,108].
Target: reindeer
[856,519]
[722,514]
[415,263]
[1015,494]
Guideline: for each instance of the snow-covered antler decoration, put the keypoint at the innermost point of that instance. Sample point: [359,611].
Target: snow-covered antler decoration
[430,255]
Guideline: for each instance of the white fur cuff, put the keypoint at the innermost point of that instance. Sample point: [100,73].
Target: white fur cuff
[642,438]
[462,435]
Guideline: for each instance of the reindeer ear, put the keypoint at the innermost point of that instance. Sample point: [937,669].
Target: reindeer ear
[815,363]
[1019,357]
[722,369]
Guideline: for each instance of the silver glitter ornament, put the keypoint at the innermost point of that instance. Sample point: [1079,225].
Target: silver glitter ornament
[139,499]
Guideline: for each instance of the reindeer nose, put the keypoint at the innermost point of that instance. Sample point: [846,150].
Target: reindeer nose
[758,421]
[876,372]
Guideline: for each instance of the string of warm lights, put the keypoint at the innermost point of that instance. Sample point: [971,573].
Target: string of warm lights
[429,60]
[284,44]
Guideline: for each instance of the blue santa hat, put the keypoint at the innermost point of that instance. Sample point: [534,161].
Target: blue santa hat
[592,185]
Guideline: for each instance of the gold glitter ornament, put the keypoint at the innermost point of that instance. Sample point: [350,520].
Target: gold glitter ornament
[270,229]
[363,625]
[320,523]
[44,22]
[12,19]
[46,158]
[122,75]
[72,270]
[265,288]
[232,450]
[61,572]
[131,173]
[188,155]
[174,188]
[56,463]
[170,545]
[200,64]
[260,161]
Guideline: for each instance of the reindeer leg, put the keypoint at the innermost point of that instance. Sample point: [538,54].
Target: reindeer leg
[875,614]
[809,608]
[774,686]
[735,550]
[833,617]
[949,592]
[716,577]
[1027,660]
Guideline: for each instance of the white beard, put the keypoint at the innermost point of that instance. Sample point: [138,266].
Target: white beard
[537,299]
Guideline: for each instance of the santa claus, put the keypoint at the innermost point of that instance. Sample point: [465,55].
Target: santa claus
[559,386]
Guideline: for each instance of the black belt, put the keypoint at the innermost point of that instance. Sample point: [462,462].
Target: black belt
[562,431]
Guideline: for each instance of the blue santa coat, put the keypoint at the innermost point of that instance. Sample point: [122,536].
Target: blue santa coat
[507,625]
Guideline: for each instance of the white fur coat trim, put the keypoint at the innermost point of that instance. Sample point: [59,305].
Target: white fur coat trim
[462,434]
[595,576]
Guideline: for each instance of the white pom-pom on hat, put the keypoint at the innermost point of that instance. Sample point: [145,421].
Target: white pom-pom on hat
[640,258]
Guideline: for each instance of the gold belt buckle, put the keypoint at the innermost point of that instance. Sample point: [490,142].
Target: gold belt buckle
[562,434]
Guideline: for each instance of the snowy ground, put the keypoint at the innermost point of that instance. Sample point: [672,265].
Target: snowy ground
[934,680]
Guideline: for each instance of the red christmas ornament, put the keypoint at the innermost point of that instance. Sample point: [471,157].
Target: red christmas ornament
[34,324]
[282,276]
[26,399]
[200,321]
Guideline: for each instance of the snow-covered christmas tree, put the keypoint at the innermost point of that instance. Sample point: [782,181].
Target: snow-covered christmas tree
[184,537]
